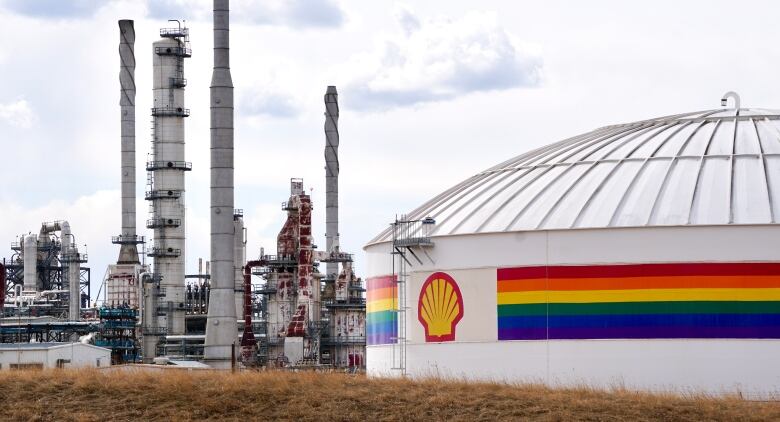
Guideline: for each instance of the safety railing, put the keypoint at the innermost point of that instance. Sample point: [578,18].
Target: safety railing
[170,112]
[163,252]
[127,240]
[173,51]
[162,194]
[174,32]
[168,165]
[156,223]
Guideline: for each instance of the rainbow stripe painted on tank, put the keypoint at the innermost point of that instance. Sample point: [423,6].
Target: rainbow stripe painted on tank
[381,310]
[644,301]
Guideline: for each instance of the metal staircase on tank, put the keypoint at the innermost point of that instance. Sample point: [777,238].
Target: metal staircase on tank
[407,235]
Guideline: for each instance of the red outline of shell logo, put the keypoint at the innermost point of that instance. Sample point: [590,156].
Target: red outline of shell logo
[440,307]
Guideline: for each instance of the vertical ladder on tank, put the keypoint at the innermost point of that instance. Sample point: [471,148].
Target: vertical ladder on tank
[400,275]
[407,235]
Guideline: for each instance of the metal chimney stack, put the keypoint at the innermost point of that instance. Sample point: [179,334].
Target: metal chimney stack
[128,252]
[221,326]
[332,177]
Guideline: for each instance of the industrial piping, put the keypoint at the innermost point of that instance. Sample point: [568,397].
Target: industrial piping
[248,341]
[70,259]
[2,288]
[221,326]
[128,252]
[332,177]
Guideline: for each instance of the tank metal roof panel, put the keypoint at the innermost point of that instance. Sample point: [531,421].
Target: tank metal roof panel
[717,167]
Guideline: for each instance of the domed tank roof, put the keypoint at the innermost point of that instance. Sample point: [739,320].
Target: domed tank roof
[717,167]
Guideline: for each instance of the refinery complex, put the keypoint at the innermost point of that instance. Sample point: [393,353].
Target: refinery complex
[297,308]
[642,254]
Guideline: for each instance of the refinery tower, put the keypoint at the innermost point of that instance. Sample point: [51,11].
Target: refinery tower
[165,180]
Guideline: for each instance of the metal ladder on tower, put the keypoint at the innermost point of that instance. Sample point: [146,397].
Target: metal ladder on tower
[407,234]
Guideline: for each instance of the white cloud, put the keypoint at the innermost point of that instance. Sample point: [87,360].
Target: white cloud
[292,13]
[408,21]
[306,13]
[17,113]
[269,103]
[262,222]
[179,9]
[441,59]
[53,9]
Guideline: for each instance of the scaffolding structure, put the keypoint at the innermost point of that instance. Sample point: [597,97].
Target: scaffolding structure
[43,330]
[407,235]
[337,338]
[118,332]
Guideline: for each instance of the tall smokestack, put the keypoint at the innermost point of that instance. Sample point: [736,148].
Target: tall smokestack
[128,252]
[332,176]
[221,327]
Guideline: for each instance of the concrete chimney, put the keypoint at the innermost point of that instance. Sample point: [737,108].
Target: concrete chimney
[128,252]
[221,326]
[332,177]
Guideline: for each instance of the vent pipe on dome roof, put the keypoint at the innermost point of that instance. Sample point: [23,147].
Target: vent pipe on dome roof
[731,94]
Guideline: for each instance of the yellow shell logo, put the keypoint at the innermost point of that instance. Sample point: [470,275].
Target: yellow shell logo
[440,307]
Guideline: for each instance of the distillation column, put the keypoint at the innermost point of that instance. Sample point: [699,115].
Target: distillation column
[221,326]
[71,259]
[167,167]
[332,177]
[239,261]
[148,319]
[30,257]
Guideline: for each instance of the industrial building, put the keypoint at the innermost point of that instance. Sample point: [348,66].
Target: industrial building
[45,287]
[52,355]
[307,318]
[304,317]
[155,312]
[641,254]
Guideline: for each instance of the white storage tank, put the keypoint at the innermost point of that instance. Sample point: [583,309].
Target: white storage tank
[645,255]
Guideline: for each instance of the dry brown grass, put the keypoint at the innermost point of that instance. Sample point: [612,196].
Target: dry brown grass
[177,395]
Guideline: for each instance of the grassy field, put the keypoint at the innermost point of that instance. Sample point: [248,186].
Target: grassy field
[174,395]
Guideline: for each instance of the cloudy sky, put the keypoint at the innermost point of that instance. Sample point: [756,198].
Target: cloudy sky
[431,92]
